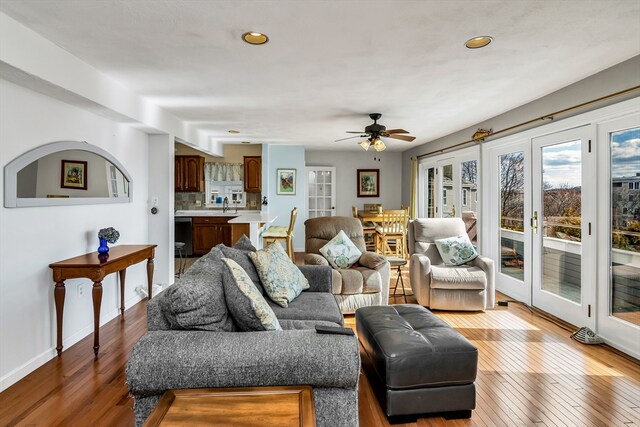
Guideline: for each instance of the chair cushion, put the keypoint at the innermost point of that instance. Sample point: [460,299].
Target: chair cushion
[457,277]
[371,280]
[248,307]
[280,277]
[456,250]
[275,231]
[340,251]
[352,281]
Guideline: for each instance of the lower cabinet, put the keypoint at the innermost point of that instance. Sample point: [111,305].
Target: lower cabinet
[210,231]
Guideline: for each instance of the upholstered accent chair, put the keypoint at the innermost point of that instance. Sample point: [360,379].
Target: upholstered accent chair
[367,281]
[467,287]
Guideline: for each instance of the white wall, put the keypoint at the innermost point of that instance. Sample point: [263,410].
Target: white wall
[31,238]
[285,157]
[347,164]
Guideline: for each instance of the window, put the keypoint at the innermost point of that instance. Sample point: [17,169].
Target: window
[464,197]
[636,185]
[631,186]
[444,196]
[630,198]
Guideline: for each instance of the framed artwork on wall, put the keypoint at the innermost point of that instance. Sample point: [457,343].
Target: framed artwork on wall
[73,174]
[286,181]
[368,182]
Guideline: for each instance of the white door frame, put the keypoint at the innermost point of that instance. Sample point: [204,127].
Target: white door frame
[613,330]
[577,313]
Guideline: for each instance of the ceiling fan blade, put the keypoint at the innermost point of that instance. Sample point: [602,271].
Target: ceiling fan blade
[351,137]
[408,138]
[396,131]
[354,131]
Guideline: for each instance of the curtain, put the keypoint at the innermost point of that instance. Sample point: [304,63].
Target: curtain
[413,205]
[223,171]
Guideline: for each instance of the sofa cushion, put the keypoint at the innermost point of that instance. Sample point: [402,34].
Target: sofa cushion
[371,280]
[457,277]
[280,277]
[340,251]
[244,244]
[305,324]
[246,304]
[352,282]
[456,250]
[310,306]
[196,301]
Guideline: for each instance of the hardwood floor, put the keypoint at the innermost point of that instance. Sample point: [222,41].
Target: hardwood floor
[530,374]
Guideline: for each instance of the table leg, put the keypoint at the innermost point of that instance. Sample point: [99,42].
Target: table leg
[123,274]
[150,276]
[97,302]
[58,293]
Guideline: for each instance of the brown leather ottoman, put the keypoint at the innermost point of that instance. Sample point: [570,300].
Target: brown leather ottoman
[421,364]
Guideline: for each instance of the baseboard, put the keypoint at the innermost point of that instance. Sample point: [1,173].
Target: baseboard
[31,365]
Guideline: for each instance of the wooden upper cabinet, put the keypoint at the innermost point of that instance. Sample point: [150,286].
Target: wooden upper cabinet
[253,174]
[189,173]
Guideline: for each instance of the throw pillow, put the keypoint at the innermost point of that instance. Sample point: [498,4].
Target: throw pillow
[340,251]
[242,258]
[247,306]
[456,250]
[244,244]
[282,280]
[196,301]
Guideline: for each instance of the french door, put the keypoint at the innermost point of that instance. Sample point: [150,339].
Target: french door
[449,187]
[563,224]
[321,191]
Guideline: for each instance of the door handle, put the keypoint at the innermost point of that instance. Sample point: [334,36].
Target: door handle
[534,222]
[453,211]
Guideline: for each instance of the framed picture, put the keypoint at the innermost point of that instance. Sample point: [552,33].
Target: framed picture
[73,174]
[286,181]
[368,182]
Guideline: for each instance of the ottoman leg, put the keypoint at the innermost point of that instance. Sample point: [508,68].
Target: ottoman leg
[457,415]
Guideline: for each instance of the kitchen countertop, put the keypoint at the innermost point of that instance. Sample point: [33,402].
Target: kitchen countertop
[262,217]
[214,212]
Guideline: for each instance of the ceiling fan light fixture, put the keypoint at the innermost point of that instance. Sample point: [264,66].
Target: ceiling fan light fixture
[379,145]
[255,38]
[478,42]
[365,144]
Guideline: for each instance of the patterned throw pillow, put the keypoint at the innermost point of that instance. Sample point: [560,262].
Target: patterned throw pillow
[456,250]
[248,307]
[280,277]
[340,251]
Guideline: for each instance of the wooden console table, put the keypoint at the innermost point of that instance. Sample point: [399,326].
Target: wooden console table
[95,267]
[238,407]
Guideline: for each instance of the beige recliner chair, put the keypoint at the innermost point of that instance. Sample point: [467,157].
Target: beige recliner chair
[466,287]
[367,281]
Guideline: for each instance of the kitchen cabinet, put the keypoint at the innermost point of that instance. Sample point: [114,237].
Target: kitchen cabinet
[189,174]
[210,231]
[253,174]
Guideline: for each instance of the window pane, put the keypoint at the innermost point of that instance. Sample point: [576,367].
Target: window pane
[448,193]
[469,184]
[512,214]
[625,225]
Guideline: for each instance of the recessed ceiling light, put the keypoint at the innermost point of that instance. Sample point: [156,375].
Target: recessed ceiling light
[233,131]
[246,142]
[256,38]
[478,42]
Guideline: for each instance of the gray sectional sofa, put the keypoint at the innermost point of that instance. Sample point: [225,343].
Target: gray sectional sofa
[192,343]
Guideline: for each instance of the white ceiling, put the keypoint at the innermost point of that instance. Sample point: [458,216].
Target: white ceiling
[330,63]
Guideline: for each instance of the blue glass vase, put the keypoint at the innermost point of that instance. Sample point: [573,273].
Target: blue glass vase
[103,248]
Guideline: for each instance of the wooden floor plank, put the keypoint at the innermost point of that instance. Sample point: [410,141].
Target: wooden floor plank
[530,373]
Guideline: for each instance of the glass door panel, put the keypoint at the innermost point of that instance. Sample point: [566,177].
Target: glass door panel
[561,219]
[430,192]
[449,197]
[511,207]
[624,256]
[321,198]
[469,206]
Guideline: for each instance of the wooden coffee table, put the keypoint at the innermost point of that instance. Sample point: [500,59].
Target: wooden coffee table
[237,407]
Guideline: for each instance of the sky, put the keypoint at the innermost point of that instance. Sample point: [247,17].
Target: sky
[625,153]
[562,164]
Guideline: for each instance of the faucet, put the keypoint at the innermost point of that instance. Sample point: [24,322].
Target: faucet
[225,204]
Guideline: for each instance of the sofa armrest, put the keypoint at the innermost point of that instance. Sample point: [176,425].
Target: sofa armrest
[488,266]
[156,319]
[319,277]
[164,360]
[419,269]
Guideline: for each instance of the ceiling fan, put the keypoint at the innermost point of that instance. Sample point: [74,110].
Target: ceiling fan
[374,132]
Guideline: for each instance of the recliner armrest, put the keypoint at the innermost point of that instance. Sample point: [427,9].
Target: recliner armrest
[488,266]
[315,259]
[372,260]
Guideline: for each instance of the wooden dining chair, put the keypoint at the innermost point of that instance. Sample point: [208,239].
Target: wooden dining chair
[368,229]
[370,207]
[281,233]
[393,229]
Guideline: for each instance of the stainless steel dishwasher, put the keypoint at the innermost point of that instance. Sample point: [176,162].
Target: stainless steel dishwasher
[183,233]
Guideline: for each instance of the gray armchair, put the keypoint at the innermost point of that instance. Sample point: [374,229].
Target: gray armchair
[467,287]
[365,283]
